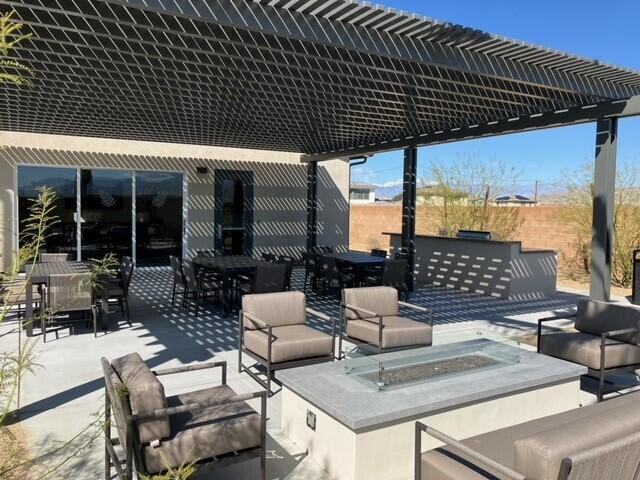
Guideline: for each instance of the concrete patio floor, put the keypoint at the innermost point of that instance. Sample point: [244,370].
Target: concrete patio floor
[65,392]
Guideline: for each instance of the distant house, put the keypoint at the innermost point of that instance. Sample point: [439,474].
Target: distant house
[362,193]
[514,201]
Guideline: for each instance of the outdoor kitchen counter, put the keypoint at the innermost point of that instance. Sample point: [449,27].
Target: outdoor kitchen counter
[494,268]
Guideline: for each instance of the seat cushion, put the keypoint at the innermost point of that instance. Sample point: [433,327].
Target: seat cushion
[595,317]
[292,342]
[445,464]
[380,300]
[146,394]
[207,433]
[584,349]
[397,332]
[276,309]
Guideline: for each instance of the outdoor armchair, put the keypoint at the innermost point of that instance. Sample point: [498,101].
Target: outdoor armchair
[371,315]
[605,339]
[156,432]
[274,333]
[599,441]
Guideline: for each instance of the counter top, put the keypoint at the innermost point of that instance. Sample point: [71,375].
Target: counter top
[477,240]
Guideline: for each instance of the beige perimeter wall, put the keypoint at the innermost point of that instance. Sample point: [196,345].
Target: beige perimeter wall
[280,192]
[542,227]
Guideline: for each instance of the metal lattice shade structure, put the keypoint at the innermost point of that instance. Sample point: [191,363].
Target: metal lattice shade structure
[309,76]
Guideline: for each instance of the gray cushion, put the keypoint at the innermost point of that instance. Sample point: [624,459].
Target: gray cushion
[597,317]
[380,300]
[292,342]
[539,456]
[397,332]
[585,349]
[275,309]
[146,394]
[445,464]
[204,434]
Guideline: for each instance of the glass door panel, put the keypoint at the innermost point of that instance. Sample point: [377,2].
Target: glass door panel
[106,213]
[158,217]
[63,236]
[234,212]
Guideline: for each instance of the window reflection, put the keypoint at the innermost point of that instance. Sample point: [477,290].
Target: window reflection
[63,181]
[233,217]
[158,217]
[106,213]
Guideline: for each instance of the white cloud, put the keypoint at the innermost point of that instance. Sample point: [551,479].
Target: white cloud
[392,183]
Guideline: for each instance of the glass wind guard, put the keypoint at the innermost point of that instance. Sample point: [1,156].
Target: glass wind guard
[454,354]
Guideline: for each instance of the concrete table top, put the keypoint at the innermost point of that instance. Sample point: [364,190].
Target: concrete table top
[361,408]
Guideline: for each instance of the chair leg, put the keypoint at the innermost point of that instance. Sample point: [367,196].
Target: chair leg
[173,294]
[197,296]
[126,304]
[601,386]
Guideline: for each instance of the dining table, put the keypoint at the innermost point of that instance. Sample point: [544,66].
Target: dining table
[229,267]
[357,261]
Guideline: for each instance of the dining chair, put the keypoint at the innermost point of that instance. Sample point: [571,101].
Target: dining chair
[66,294]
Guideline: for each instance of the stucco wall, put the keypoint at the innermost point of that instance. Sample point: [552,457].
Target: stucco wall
[280,191]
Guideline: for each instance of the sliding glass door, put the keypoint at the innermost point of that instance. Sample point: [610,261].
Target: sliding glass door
[158,217]
[63,237]
[110,201]
[106,200]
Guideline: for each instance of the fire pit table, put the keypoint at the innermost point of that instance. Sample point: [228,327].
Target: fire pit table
[356,417]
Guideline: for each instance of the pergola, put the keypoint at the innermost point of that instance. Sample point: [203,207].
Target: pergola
[326,78]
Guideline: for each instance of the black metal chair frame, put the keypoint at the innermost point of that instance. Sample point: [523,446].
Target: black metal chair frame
[369,316]
[178,279]
[119,399]
[288,262]
[266,363]
[380,271]
[123,280]
[606,340]
[199,294]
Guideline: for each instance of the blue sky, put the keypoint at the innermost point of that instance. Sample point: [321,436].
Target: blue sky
[607,31]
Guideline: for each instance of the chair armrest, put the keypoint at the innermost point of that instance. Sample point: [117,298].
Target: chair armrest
[419,309]
[368,313]
[318,314]
[254,320]
[623,331]
[478,457]
[193,368]
[549,319]
[192,407]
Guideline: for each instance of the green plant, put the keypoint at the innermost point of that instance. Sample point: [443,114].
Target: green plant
[466,188]
[626,232]
[12,71]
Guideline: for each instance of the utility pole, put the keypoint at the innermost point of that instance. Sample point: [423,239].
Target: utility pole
[535,196]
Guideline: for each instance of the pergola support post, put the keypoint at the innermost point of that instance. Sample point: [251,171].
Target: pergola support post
[312,204]
[604,187]
[409,211]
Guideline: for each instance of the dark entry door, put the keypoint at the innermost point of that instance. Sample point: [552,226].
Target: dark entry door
[234,212]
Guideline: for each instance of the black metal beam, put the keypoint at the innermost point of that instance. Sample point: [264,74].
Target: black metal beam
[409,186]
[312,205]
[603,208]
[558,118]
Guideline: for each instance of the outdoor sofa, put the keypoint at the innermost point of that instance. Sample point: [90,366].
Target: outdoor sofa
[605,339]
[274,333]
[371,316]
[596,442]
[156,432]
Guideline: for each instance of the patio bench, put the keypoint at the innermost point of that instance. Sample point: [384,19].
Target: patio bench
[606,339]
[156,432]
[599,441]
[274,333]
[371,315]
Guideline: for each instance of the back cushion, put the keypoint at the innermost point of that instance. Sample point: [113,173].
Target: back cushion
[596,317]
[380,300]
[275,309]
[146,393]
[539,457]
